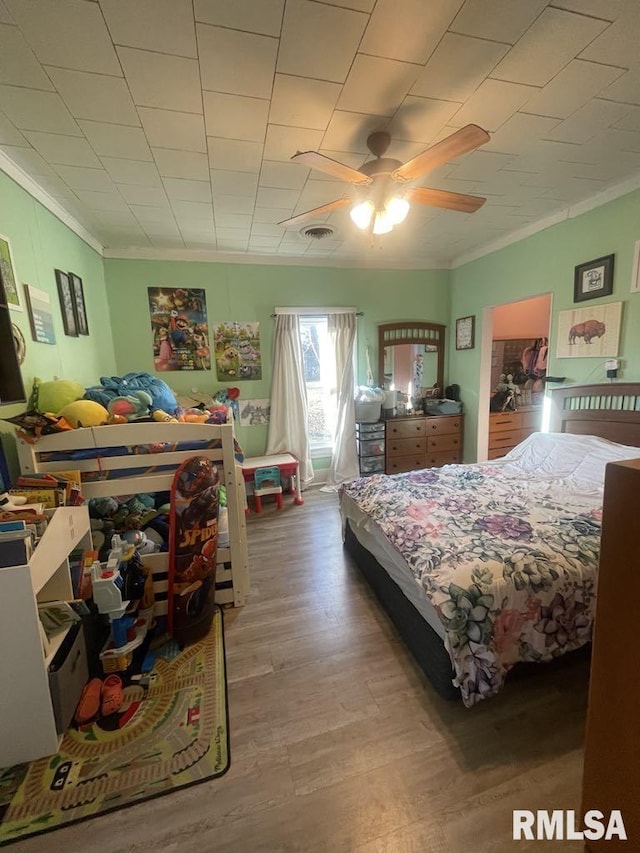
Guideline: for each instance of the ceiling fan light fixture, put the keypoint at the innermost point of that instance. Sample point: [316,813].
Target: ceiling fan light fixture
[361,214]
[397,209]
[382,223]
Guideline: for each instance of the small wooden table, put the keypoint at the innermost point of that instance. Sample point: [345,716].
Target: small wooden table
[286,463]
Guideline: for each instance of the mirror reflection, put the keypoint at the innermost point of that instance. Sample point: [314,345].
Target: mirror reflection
[411,369]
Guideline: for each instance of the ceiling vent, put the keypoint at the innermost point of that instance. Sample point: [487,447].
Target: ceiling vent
[317,232]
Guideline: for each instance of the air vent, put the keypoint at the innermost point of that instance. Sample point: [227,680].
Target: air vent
[317,232]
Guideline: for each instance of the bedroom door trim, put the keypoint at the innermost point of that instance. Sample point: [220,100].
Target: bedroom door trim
[484,378]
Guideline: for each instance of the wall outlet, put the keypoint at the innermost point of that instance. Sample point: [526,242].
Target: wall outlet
[612,364]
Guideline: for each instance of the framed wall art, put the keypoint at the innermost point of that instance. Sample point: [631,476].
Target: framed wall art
[40,316]
[593,279]
[465,332]
[67,304]
[78,304]
[8,276]
[594,331]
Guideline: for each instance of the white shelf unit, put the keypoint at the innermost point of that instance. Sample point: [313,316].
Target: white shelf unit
[27,722]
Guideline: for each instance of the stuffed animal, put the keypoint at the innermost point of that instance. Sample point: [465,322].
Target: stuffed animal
[133,407]
[54,395]
[163,417]
[84,413]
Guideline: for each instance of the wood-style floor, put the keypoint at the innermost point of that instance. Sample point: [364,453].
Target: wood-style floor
[338,742]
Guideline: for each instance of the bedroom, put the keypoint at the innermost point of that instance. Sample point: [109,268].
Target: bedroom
[158,229]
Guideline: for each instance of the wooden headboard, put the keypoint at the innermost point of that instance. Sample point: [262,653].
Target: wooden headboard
[611,411]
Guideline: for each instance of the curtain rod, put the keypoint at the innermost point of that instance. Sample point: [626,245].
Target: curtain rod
[317,312]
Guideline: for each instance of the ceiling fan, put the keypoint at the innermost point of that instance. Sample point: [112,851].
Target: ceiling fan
[383,207]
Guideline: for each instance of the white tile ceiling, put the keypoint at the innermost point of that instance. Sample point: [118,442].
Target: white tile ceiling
[164,124]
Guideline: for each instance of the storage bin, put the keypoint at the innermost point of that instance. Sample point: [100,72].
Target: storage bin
[372,448]
[373,430]
[68,673]
[368,411]
[372,465]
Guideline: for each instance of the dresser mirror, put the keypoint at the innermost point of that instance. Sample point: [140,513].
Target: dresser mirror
[411,359]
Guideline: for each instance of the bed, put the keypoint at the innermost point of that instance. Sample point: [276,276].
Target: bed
[133,458]
[486,566]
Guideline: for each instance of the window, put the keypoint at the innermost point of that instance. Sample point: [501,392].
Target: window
[320,379]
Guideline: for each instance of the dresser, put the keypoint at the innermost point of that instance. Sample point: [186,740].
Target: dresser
[612,747]
[506,429]
[421,441]
[371,447]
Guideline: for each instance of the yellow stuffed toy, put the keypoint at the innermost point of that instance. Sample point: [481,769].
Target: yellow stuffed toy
[84,413]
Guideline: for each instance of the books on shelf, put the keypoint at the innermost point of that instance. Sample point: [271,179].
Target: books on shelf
[53,490]
[57,616]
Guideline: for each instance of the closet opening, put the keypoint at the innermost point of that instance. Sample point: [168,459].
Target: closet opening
[514,357]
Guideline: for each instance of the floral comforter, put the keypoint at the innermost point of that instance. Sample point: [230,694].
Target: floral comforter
[508,563]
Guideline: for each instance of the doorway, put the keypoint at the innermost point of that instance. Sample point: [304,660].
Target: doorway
[515,337]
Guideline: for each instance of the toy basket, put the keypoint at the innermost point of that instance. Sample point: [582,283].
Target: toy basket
[367,412]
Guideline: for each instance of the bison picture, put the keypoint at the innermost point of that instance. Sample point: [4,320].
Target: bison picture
[587,330]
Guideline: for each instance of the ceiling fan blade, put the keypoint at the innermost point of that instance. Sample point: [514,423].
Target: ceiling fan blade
[317,211]
[331,167]
[466,139]
[443,198]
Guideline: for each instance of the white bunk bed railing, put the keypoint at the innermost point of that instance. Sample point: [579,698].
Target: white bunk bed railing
[232,575]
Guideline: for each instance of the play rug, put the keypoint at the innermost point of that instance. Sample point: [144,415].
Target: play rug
[176,733]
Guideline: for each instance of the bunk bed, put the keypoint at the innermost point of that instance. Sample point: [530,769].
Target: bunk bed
[128,459]
[485,566]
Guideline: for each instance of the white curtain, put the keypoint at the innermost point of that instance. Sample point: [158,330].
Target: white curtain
[288,423]
[344,462]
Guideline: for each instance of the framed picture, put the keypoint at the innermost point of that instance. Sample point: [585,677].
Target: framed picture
[67,304]
[8,281]
[593,279]
[595,331]
[40,316]
[465,332]
[78,302]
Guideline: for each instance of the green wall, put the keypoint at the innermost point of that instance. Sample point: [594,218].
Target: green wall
[120,332]
[545,263]
[39,244]
[250,292]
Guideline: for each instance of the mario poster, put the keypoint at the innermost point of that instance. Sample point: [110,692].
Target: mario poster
[179,327]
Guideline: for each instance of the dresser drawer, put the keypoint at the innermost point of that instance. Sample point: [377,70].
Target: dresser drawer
[449,457]
[506,438]
[372,465]
[531,421]
[408,428]
[497,452]
[373,447]
[500,421]
[445,441]
[375,430]
[400,464]
[406,446]
[440,426]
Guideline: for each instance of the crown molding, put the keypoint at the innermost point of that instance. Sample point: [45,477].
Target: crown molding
[36,191]
[570,212]
[213,256]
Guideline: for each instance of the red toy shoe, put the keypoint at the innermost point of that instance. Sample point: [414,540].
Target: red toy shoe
[112,695]
[89,703]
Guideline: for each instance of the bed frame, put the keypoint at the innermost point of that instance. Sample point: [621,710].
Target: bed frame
[232,574]
[609,411]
